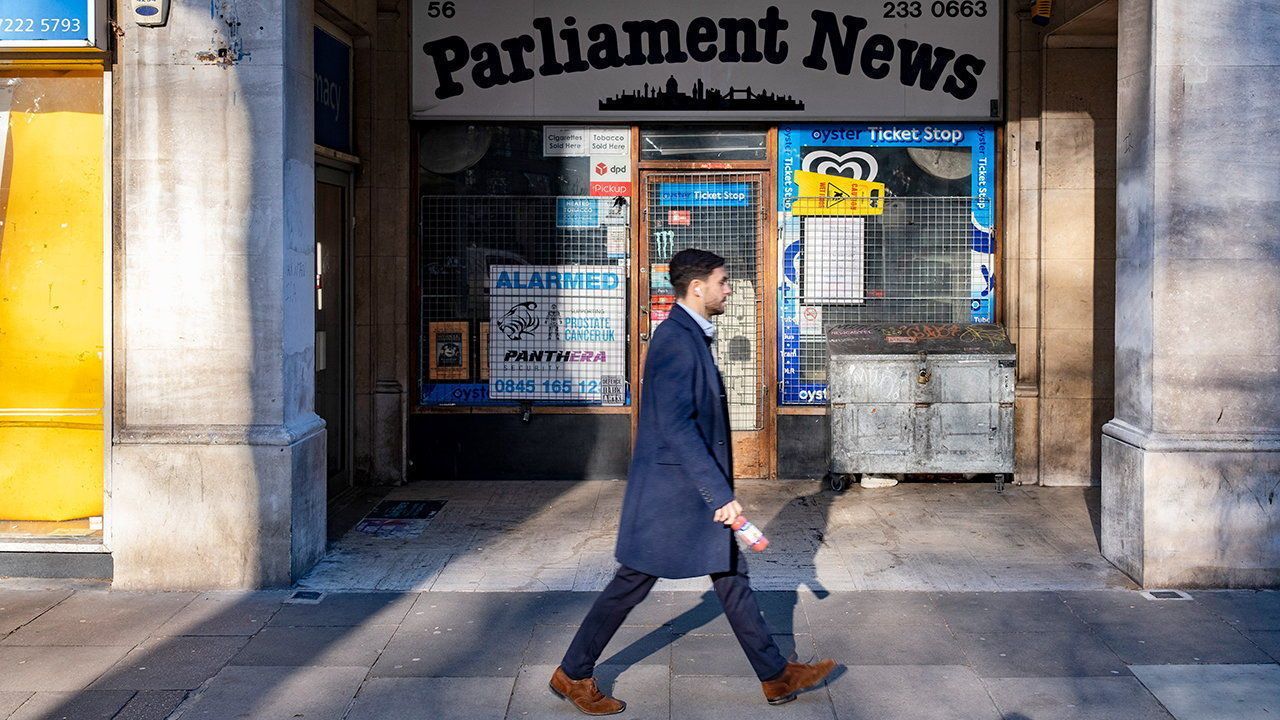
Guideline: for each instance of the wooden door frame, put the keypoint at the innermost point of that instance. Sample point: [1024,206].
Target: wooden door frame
[767,262]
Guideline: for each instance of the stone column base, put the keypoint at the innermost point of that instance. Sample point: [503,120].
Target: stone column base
[1179,512]
[194,511]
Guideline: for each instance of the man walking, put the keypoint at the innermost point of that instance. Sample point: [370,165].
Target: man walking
[679,501]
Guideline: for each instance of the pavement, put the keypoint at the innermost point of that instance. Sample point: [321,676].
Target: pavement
[941,601]
[90,653]
[537,536]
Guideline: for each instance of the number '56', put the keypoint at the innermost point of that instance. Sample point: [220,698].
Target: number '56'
[436,9]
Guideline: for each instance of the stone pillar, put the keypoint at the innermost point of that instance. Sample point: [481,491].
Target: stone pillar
[1022,229]
[218,464]
[1191,462]
[1077,254]
[391,208]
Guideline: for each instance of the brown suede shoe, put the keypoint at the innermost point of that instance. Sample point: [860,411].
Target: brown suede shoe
[797,678]
[584,694]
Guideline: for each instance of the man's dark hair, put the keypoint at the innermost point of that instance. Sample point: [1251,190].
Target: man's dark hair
[689,265]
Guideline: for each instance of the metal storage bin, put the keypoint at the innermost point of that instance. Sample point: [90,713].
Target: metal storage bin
[920,399]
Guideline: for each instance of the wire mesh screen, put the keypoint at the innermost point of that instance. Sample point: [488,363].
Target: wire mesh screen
[527,295]
[877,259]
[724,214]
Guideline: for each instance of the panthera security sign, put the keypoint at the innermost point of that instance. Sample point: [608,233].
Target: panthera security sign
[557,332]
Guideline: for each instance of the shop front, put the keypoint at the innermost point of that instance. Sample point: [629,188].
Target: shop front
[54,267]
[843,164]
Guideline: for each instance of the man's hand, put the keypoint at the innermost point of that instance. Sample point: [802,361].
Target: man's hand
[728,513]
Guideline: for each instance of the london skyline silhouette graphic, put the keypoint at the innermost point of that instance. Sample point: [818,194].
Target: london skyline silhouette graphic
[669,97]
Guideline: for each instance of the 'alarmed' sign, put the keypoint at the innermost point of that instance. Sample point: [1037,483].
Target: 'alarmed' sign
[590,59]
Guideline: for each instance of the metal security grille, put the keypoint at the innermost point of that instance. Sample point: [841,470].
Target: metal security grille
[724,214]
[907,260]
[553,268]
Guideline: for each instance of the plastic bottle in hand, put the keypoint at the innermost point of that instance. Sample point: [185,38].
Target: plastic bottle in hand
[750,534]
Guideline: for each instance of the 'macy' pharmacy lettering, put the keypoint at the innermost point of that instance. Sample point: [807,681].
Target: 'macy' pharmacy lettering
[837,42]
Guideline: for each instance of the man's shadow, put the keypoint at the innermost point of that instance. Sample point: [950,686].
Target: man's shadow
[795,535]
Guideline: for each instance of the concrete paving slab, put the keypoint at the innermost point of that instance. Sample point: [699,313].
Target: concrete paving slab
[275,693]
[1007,612]
[1153,643]
[10,700]
[646,689]
[1123,606]
[1075,698]
[1091,573]
[401,567]
[332,646]
[1268,641]
[629,646]
[101,618]
[662,607]
[722,656]
[152,705]
[346,609]
[466,651]
[558,608]
[454,610]
[1247,609]
[479,698]
[224,613]
[177,663]
[595,569]
[730,698]
[871,607]
[908,692]
[1215,692]
[781,610]
[19,607]
[955,569]
[82,705]
[916,537]
[883,568]
[890,643]
[55,669]
[1041,654]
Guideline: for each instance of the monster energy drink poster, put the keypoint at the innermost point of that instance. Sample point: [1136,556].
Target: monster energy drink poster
[557,332]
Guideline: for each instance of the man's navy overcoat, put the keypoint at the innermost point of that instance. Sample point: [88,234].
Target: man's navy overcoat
[682,466]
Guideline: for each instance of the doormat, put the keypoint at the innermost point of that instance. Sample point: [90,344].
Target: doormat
[402,519]
[407,509]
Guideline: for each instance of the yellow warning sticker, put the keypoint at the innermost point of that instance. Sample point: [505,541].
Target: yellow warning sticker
[835,195]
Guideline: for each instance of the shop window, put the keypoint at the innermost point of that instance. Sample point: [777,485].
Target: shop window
[713,143]
[523,251]
[52,170]
[886,224]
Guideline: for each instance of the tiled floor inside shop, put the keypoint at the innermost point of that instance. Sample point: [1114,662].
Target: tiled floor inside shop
[522,536]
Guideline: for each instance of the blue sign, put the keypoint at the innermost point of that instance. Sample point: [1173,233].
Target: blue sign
[477,395]
[866,152]
[332,65]
[48,23]
[735,194]
[579,212]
